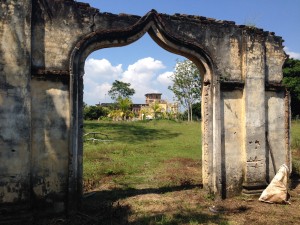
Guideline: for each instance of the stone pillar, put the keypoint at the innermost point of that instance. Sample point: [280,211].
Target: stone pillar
[254,115]
[15,105]
[207,141]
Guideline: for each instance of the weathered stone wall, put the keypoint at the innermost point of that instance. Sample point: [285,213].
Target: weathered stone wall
[232,141]
[59,25]
[222,40]
[15,112]
[276,130]
[42,51]
[50,143]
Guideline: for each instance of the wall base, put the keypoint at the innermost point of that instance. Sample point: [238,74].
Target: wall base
[254,189]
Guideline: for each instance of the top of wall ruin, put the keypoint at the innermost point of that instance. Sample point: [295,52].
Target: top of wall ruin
[66,24]
[85,8]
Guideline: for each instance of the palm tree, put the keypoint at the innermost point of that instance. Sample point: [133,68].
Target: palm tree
[124,105]
[156,108]
[116,114]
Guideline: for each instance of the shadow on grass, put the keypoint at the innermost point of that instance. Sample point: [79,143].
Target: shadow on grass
[181,218]
[130,132]
[294,180]
[102,207]
[119,193]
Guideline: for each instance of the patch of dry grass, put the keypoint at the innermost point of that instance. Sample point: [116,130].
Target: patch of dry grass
[171,192]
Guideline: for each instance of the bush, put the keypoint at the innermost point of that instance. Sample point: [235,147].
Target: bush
[94,112]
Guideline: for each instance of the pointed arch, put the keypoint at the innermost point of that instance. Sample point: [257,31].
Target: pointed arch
[153,24]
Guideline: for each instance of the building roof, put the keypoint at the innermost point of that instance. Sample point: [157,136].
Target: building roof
[153,94]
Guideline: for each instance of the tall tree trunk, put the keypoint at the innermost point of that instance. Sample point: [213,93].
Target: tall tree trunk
[191,111]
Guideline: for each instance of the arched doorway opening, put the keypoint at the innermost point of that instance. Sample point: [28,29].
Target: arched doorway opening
[210,95]
[140,150]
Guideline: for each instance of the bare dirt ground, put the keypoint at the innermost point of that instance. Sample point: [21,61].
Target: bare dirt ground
[183,202]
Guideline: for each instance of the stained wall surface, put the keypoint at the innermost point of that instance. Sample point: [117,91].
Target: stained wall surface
[50,143]
[15,107]
[43,46]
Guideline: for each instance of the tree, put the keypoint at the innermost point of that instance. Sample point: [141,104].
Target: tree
[120,89]
[197,110]
[156,109]
[186,85]
[116,115]
[124,105]
[123,109]
[291,80]
[146,112]
[84,105]
[196,107]
[94,112]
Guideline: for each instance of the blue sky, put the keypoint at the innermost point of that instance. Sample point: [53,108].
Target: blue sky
[148,67]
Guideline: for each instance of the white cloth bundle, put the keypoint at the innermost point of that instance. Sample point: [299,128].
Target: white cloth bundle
[277,191]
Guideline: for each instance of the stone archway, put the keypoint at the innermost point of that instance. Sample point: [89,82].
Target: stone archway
[149,23]
[245,108]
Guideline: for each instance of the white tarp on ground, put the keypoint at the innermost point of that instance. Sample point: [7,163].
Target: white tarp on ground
[277,190]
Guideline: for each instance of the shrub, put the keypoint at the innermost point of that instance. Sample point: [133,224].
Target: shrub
[94,112]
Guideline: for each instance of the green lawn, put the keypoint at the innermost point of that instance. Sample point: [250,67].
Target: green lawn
[148,153]
[295,134]
[151,174]
[295,145]
[142,154]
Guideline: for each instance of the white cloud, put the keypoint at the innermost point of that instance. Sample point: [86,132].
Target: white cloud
[99,74]
[96,93]
[101,69]
[146,65]
[142,71]
[165,78]
[293,55]
[142,75]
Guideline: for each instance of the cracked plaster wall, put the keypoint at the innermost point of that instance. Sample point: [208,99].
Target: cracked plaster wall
[35,97]
[15,112]
[50,143]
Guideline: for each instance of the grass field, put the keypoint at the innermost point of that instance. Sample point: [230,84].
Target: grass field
[150,173]
[142,154]
[295,146]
